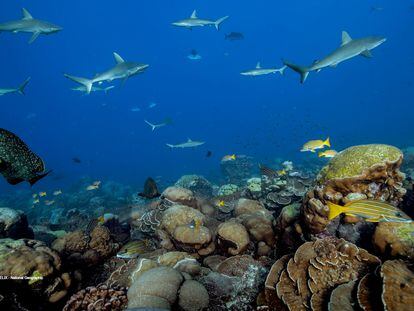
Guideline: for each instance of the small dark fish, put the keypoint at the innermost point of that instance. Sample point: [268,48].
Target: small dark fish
[150,189]
[76,160]
[234,36]
[90,226]
[17,162]
[209,154]
[267,171]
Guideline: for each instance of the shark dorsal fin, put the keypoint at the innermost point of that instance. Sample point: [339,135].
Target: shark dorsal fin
[118,58]
[194,14]
[26,14]
[258,66]
[346,38]
[189,140]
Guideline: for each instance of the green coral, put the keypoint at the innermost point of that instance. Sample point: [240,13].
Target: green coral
[353,161]
[228,189]
[254,184]
[405,232]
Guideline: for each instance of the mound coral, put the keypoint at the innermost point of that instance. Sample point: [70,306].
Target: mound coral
[197,184]
[233,237]
[179,195]
[369,171]
[163,287]
[395,239]
[84,250]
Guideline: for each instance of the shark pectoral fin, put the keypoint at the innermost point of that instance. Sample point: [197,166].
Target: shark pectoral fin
[333,65]
[319,70]
[34,37]
[366,53]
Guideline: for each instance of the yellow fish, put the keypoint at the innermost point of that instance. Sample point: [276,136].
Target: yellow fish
[312,145]
[327,154]
[57,192]
[371,211]
[92,187]
[195,224]
[48,203]
[230,157]
[35,277]
[134,248]
[221,203]
[36,201]
[42,194]
[281,173]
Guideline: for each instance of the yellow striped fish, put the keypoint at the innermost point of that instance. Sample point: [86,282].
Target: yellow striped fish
[134,248]
[371,211]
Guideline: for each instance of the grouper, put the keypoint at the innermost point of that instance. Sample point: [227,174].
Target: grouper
[17,162]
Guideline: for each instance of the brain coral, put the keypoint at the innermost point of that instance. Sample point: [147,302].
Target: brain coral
[355,160]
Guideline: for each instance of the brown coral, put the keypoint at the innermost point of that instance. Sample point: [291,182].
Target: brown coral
[233,237]
[100,298]
[155,288]
[33,263]
[83,250]
[179,195]
[395,239]
[398,286]
[306,279]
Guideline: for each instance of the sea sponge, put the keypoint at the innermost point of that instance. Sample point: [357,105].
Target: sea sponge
[155,288]
[233,237]
[370,171]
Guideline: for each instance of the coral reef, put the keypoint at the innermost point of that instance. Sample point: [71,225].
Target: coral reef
[34,268]
[366,171]
[179,195]
[13,224]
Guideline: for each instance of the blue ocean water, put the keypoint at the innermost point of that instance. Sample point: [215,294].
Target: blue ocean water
[360,101]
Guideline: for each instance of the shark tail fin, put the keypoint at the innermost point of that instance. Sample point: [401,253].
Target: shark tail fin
[20,89]
[85,82]
[150,124]
[303,71]
[108,88]
[282,70]
[218,22]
